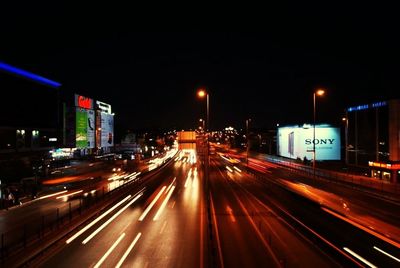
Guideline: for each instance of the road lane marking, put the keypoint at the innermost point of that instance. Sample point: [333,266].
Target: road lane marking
[387,254]
[100,262]
[121,261]
[51,195]
[359,257]
[66,195]
[152,204]
[163,227]
[214,218]
[164,204]
[374,233]
[112,218]
[96,220]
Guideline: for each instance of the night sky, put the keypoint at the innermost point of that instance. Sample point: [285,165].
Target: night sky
[266,73]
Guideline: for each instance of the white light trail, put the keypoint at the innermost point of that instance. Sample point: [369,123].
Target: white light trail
[51,195]
[96,220]
[152,204]
[100,262]
[111,219]
[228,168]
[119,264]
[66,195]
[387,254]
[237,169]
[359,257]
[164,204]
[169,187]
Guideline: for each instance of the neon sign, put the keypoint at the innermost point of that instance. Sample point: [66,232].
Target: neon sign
[83,102]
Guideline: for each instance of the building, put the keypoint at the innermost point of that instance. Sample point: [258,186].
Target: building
[372,138]
[88,126]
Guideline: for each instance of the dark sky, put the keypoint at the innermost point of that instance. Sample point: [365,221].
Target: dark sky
[267,72]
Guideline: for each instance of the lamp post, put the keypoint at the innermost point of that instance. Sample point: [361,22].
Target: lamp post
[247,141]
[319,92]
[203,123]
[203,93]
[346,133]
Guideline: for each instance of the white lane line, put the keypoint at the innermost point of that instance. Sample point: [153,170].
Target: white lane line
[121,261]
[152,204]
[51,195]
[164,204]
[100,262]
[359,257]
[111,219]
[66,195]
[387,254]
[96,220]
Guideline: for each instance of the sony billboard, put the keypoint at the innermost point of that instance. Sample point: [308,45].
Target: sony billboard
[298,142]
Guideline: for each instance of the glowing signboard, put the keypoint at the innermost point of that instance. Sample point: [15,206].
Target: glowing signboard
[83,102]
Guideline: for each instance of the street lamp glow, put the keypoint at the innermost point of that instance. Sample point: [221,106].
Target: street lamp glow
[201,93]
[320,92]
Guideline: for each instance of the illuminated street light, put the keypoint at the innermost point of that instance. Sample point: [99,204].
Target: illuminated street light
[319,92]
[201,93]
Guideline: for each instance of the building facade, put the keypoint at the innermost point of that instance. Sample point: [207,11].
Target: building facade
[373,137]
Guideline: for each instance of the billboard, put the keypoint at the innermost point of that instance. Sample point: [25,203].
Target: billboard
[83,102]
[107,129]
[81,123]
[90,129]
[298,142]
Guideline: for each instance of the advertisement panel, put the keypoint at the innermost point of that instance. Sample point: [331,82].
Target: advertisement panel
[81,121]
[107,130]
[90,129]
[83,102]
[297,142]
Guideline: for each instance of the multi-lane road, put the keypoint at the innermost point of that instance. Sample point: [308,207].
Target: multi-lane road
[182,218]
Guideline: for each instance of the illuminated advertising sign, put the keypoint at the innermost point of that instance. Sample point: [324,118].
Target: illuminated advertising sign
[104,107]
[83,102]
[107,130]
[90,129]
[81,123]
[298,142]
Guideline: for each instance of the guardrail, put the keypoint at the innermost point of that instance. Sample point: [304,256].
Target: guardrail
[334,176]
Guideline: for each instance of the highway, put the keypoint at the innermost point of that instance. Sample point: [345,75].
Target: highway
[251,234]
[160,225]
[332,230]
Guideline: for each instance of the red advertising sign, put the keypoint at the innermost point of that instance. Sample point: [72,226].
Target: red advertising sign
[83,102]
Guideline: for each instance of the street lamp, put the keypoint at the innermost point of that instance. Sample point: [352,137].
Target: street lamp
[346,130]
[320,93]
[201,93]
[202,121]
[247,140]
